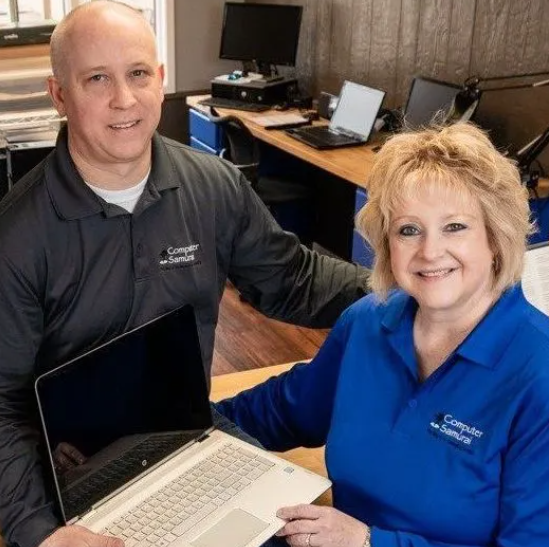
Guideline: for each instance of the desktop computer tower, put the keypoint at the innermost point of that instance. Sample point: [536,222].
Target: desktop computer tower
[257,92]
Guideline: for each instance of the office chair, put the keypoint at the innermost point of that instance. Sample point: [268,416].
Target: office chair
[289,201]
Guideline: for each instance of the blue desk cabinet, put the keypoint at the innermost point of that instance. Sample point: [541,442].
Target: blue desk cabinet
[361,252]
[205,135]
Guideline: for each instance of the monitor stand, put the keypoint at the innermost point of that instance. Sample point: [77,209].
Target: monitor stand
[266,72]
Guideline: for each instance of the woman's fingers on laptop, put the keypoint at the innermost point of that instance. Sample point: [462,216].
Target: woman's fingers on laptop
[314,526]
[78,536]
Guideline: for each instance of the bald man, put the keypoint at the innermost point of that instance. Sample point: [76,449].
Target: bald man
[91,242]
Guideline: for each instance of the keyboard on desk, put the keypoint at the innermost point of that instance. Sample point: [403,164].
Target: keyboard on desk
[233,104]
[322,137]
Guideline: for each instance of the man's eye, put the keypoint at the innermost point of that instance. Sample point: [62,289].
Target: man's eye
[408,230]
[97,78]
[139,73]
[455,227]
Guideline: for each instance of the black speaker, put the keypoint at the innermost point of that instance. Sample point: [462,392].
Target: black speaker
[327,104]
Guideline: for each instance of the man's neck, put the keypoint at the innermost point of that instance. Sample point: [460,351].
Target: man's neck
[115,176]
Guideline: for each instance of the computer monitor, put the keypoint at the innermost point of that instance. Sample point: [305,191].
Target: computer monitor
[514,118]
[265,33]
[426,99]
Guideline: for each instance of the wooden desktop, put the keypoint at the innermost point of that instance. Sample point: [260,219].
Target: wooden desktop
[351,164]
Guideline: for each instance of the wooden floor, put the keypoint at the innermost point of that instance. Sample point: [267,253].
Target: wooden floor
[245,339]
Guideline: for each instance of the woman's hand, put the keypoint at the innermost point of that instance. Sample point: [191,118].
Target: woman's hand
[78,536]
[314,526]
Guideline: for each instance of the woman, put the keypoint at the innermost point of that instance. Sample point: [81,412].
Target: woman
[432,394]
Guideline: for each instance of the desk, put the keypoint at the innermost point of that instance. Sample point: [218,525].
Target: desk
[351,165]
[228,385]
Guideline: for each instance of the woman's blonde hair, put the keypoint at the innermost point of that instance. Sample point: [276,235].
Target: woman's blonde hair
[461,159]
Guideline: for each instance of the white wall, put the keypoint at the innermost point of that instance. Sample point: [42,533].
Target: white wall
[197,38]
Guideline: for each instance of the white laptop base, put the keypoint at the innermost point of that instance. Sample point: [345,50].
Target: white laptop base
[236,515]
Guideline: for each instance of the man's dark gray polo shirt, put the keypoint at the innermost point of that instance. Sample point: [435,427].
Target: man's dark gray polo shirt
[76,271]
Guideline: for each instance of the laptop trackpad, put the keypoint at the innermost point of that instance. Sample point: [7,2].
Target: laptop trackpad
[236,529]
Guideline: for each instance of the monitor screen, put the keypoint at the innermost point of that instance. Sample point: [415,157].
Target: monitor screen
[266,33]
[426,99]
[514,118]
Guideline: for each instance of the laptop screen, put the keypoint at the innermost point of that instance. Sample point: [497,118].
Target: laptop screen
[124,406]
[357,109]
[427,98]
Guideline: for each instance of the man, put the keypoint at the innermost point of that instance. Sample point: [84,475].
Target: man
[116,227]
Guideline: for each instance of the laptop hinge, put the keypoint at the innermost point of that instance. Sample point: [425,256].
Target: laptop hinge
[205,435]
[350,134]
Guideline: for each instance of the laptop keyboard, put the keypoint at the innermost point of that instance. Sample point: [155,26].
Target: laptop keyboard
[323,135]
[119,471]
[191,497]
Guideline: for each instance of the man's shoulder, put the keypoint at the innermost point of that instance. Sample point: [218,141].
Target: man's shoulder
[199,159]
[23,201]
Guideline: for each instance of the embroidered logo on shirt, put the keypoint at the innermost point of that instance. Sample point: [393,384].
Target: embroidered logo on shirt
[448,427]
[177,257]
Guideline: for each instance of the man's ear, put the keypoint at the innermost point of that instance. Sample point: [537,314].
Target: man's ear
[161,75]
[57,96]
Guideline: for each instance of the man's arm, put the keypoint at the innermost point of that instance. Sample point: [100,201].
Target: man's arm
[284,279]
[26,511]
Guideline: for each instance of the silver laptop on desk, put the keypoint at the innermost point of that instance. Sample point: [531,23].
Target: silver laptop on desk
[351,123]
[156,472]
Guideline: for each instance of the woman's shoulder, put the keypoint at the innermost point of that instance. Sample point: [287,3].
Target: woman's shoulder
[373,306]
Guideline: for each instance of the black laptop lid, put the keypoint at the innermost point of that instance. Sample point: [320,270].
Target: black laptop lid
[428,97]
[125,406]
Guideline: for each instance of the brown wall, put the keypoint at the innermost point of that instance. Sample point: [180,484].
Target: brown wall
[384,43]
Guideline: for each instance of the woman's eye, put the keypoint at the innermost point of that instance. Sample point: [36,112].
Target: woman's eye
[408,230]
[455,227]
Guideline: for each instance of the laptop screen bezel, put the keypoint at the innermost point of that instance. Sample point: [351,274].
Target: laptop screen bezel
[341,130]
[50,475]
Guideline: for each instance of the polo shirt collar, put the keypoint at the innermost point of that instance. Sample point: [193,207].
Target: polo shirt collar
[491,338]
[484,346]
[73,199]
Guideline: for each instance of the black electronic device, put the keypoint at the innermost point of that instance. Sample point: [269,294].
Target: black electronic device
[429,101]
[326,105]
[267,34]
[218,102]
[22,34]
[255,91]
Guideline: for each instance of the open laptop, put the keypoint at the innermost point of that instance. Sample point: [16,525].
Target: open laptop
[156,470]
[428,101]
[535,276]
[351,123]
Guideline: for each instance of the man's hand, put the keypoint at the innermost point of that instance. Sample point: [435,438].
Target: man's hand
[78,536]
[314,526]
[66,456]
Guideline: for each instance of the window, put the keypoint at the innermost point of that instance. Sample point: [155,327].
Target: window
[160,13]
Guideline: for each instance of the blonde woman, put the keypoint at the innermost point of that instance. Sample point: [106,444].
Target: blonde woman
[432,394]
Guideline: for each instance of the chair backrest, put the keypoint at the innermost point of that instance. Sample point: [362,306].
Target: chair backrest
[242,148]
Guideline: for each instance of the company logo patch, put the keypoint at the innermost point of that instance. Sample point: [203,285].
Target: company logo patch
[458,433]
[179,257]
